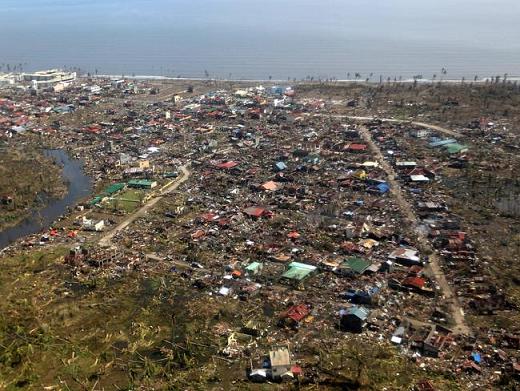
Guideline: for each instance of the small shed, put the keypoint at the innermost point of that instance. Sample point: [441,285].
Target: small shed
[280,359]
[405,256]
[354,319]
[280,166]
[353,266]
[298,271]
[254,268]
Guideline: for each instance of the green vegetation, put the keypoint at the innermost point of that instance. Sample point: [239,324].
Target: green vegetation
[152,331]
[128,201]
[25,173]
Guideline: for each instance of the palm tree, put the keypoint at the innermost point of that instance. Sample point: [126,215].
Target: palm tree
[444,72]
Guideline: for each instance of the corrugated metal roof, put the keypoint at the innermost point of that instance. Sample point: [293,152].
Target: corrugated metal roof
[358,265]
[298,271]
[361,312]
[440,143]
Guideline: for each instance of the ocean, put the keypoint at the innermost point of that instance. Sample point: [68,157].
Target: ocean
[246,39]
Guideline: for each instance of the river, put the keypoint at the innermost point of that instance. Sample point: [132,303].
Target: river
[79,186]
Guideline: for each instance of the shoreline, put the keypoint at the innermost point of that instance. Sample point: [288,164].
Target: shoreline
[280,81]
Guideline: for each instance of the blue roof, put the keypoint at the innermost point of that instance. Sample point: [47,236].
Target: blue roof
[361,312]
[476,357]
[383,187]
[281,166]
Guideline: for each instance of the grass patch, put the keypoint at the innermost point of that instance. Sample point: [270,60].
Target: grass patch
[127,201]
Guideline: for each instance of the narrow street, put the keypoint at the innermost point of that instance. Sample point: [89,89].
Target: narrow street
[438,128]
[106,239]
[433,267]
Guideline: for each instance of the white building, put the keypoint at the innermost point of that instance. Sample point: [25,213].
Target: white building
[7,79]
[44,79]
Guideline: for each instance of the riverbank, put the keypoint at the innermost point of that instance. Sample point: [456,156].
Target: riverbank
[54,180]
[27,179]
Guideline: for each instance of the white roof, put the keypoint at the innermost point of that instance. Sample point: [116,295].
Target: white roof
[224,291]
[280,357]
[419,178]
[258,372]
[405,253]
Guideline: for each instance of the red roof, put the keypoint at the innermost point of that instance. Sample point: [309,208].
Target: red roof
[224,222]
[209,216]
[357,147]
[229,164]
[414,282]
[270,185]
[254,211]
[293,235]
[415,269]
[198,234]
[458,235]
[296,312]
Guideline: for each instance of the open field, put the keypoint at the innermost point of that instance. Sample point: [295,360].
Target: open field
[127,201]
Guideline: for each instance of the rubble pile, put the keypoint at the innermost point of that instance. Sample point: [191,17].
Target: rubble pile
[326,227]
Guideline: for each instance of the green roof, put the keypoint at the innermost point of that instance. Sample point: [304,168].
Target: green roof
[253,267]
[358,265]
[95,200]
[114,188]
[455,148]
[298,271]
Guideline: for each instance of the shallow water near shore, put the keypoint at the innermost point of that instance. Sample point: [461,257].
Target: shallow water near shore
[79,185]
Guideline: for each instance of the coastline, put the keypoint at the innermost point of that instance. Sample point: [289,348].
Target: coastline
[280,81]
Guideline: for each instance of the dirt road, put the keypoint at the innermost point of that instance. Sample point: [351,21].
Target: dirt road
[433,267]
[438,128]
[106,240]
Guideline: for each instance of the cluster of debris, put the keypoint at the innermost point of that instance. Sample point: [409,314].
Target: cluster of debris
[329,226]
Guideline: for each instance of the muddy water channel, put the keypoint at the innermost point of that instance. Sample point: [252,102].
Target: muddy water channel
[79,185]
